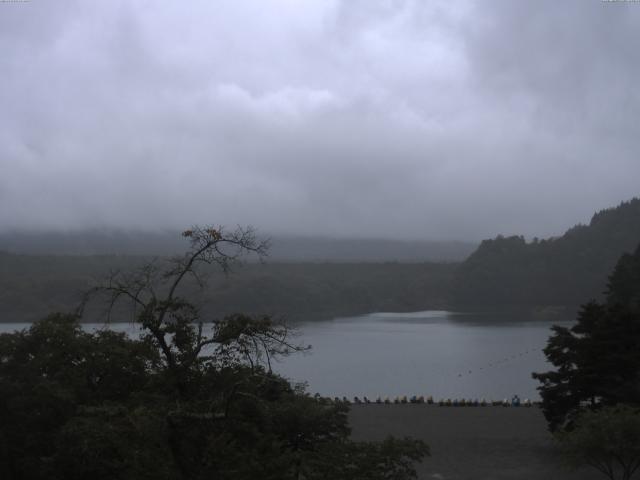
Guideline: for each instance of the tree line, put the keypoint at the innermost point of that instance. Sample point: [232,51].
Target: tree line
[31,286]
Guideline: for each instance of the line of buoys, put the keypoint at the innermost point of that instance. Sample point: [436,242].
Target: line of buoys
[445,402]
[499,362]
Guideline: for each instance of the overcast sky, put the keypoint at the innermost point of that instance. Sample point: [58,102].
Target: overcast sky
[402,119]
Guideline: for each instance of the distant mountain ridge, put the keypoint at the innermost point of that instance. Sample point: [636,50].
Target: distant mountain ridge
[283,248]
[566,270]
[319,278]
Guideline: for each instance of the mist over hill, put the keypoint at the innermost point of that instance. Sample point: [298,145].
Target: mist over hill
[307,278]
[283,248]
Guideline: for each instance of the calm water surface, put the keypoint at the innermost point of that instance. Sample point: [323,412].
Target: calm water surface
[421,353]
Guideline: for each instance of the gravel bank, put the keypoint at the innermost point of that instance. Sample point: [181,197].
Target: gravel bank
[470,443]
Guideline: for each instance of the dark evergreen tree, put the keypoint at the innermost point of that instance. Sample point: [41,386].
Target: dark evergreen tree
[598,359]
[624,283]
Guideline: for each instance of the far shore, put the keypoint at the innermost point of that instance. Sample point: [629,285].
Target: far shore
[461,313]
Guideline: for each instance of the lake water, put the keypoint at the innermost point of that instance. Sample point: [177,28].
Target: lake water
[436,353]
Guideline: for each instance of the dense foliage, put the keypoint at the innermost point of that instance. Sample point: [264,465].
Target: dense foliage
[558,271]
[597,360]
[77,405]
[189,399]
[607,440]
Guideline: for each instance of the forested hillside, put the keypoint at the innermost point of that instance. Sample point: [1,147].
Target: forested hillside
[567,270]
[33,286]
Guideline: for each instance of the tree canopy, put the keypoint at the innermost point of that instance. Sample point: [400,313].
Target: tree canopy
[607,440]
[191,398]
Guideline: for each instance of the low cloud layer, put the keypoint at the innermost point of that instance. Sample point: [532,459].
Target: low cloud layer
[400,119]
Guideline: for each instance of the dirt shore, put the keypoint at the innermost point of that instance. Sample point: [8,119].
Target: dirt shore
[471,443]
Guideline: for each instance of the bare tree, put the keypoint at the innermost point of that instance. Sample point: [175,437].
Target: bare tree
[153,292]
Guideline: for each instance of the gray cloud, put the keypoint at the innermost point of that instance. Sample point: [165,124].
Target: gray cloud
[361,118]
